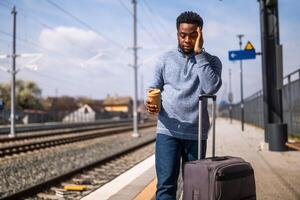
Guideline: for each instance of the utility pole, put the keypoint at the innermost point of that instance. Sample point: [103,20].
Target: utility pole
[241,77]
[272,72]
[142,99]
[135,68]
[14,72]
[230,97]
[13,80]
[142,88]
[56,92]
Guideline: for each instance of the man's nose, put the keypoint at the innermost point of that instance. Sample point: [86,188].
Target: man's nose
[187,39]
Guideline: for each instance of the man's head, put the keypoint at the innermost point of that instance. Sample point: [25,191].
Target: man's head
[187,23]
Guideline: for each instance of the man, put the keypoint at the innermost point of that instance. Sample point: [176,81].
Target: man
[182,75]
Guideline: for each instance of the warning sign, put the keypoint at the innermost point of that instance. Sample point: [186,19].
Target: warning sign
[249,46]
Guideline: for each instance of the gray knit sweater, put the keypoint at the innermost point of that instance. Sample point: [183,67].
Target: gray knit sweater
[182,78]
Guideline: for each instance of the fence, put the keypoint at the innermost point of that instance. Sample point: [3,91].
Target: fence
[253,105]
[28,117]
[32,117]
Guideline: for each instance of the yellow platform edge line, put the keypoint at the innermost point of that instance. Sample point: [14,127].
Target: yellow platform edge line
[149,192]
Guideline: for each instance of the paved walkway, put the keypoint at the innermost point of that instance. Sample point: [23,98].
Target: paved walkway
[277,174]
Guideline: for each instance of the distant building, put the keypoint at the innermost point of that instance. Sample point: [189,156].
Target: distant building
[33,116]
[118,106]
[59,107]
[70,109]
[97,106]
[83,114]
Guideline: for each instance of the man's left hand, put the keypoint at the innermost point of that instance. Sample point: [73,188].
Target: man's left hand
[199,41]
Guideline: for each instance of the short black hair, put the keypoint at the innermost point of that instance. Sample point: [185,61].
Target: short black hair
[189,17]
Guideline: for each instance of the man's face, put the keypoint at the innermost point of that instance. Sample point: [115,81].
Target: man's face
[187,36]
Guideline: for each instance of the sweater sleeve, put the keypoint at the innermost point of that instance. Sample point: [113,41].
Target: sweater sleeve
[209,72]
[157,80]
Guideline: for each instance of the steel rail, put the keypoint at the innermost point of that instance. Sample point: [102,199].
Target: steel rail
[57,179]
[36,145]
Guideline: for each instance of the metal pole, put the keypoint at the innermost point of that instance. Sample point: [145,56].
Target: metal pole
[142,88]
[263,30]
[142,98]
[135,120]
[13,80]
[230,97]
[271,65]
[241,76]
[214,128]
[290,105]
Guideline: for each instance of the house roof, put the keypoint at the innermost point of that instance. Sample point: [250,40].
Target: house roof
[117,101]
[96,105]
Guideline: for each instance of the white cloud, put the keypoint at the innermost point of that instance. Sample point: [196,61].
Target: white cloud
[81,57]
[106,70]
[71,40]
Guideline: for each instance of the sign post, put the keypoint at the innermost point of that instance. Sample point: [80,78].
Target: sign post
[248,53]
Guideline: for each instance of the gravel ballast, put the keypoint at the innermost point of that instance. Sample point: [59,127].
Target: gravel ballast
[22,171]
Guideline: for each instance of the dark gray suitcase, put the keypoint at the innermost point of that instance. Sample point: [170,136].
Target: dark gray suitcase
[222,178]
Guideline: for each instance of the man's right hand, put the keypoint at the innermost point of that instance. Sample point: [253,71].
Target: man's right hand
[152,109]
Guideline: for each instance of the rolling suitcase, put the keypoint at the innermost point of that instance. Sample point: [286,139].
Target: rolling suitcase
[222,178]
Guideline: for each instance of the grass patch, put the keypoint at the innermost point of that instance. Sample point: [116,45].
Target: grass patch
[294,137]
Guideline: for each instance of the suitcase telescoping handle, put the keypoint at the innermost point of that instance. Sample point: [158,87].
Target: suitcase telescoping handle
[202,100]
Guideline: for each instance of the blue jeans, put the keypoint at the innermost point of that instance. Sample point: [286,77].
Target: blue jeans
[168,152]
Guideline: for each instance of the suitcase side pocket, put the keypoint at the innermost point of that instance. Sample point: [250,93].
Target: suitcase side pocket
[235,182]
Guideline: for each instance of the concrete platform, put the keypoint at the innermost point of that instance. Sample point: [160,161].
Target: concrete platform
[277,174]
[129,185]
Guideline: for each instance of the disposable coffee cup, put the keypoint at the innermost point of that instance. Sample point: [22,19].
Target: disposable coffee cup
[154,97]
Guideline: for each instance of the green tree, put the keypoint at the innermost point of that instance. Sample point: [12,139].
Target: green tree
[63,103]
[28,95]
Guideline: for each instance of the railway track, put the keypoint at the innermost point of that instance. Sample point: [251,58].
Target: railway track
[93,174]
[53,132]
[41,141]
[4,130]
[95,177]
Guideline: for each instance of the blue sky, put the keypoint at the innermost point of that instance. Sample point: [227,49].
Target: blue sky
[93,59]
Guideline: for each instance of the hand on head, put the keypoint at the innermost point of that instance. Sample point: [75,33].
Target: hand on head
[199,41]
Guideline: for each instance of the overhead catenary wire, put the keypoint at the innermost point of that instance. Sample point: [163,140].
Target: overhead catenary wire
[37,46]
[69,82]
[139,22]
[153,26]
[84,23]
[33,43]
[38,21]
[157,16]
[51,27]
[40,48]
[2,3]
[54,80]
[45,25]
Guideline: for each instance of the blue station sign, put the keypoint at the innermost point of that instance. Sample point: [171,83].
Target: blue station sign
[241,55]
[248,53]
